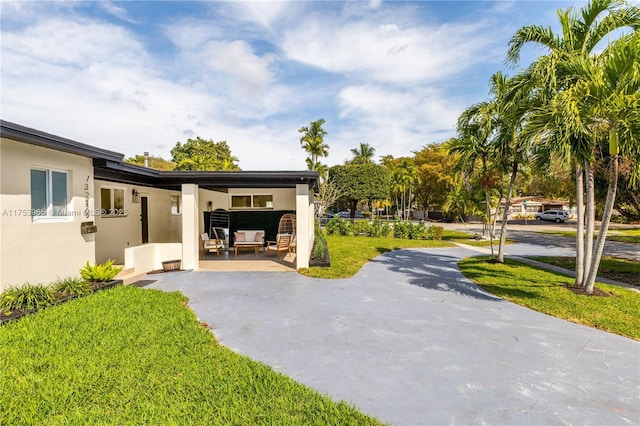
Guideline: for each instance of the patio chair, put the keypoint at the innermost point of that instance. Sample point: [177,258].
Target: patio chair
[281,245]
[211,245]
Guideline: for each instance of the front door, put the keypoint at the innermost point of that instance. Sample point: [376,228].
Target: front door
[144,218]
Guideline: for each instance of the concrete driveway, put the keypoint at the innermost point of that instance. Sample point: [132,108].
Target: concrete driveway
[411,341]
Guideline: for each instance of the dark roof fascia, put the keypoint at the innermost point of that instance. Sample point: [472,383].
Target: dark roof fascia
[31,136]
[115,171]
[252,179]
[133,174]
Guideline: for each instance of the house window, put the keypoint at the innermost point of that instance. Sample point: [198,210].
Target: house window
[49,193]
[112,202]
[252,201]
[176,204]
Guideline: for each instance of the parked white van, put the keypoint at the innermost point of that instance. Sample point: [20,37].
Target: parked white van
[553,215]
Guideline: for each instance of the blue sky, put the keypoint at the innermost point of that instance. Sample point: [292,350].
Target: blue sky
[139,76]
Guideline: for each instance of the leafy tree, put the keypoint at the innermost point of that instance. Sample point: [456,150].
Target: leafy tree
[435,179]
[360,182]
[312,142]
[363,154]
[201,154]
[579,86]
[154,162]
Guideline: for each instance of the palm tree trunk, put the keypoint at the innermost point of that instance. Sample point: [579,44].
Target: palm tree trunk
[604,226]
[591,218]
[579,226]
[503,228]
[488,217]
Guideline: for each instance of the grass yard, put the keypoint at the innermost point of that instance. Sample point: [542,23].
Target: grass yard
[623,270]
[134,356]
[547,292]
[621,235]
[349,254]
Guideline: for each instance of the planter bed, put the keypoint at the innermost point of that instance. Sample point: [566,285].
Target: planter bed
[96,286]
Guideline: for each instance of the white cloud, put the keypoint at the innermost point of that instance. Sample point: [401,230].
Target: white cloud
[387,51]
[237,60]
[394,121]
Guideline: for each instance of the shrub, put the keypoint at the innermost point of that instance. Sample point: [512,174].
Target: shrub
[436,233]
[26,297]
[401,230]
[100,272]
[71,285]
[339,226]
[319,243]
[360,227]
[378,229]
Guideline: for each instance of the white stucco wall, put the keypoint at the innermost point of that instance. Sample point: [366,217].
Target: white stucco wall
[115,234]
[42,250]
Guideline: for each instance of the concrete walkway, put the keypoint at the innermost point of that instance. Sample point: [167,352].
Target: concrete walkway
[411,341]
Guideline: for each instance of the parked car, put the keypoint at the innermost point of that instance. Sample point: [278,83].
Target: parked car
[347,214]
[553,215]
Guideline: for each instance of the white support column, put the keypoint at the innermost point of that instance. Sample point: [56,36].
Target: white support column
[190,217]
[304,225]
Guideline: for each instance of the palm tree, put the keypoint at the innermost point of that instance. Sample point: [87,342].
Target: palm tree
[312,141]
[363,154]
[559,123]
[404,176]
[512,102]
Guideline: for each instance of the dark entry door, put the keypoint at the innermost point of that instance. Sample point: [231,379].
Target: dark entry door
[144,218]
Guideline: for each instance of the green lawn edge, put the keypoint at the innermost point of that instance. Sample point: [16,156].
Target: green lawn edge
[140,356]
[350,253]
[547,292]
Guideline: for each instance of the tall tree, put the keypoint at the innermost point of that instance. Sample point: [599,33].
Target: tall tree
[560,123]
[202,154]
[312,141]
[358,182]
[435,179]
[363,154]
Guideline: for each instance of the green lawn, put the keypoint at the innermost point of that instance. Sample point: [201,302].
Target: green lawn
[349,254]
[623,270]
[547,292]
[620,235]
[134,356]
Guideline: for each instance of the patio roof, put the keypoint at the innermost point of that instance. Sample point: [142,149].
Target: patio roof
[110,166]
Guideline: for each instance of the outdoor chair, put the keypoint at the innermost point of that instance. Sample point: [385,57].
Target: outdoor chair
[281,245]
[211,245]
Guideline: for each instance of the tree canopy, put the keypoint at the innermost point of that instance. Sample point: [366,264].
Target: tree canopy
[201,154]
[153,162]
[360,182]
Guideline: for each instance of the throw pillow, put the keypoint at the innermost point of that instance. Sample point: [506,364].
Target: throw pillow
[259,237]
[239,236]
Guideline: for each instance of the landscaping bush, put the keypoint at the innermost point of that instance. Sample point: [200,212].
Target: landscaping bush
[339,226]
[26,297]
[319,244]
[100,272]
[71,285]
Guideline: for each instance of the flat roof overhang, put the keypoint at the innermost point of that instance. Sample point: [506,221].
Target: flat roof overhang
[110,166]
[211,180]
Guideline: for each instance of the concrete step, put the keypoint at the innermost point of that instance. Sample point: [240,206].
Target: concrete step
[129,276]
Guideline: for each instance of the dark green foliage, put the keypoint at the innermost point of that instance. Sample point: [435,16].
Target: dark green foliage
[319,243]
[201,154]
[26,297]
[377,228]
[72,285]
[361,181]
[100,272]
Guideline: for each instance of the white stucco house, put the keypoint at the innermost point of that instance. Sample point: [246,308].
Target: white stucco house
[63,203]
